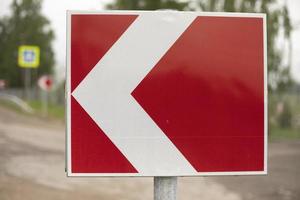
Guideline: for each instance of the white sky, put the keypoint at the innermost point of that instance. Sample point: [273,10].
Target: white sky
[55,11]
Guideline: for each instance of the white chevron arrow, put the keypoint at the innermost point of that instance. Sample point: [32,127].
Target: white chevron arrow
[105,93]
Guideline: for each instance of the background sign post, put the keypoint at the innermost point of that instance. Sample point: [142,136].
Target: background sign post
[28,57]
[45,82]
[27,83]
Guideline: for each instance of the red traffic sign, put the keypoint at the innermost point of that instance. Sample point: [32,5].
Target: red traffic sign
[166,93]
[2,84]
[45,82]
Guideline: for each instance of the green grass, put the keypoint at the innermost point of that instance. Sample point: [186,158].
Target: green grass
[280,133]
[10,105]
[276,132]
[55,111]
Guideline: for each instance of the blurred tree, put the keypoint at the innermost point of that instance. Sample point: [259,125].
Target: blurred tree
[148,5]
[277,20]
[25,26]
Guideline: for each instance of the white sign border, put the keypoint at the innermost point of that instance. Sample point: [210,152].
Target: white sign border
[68,164]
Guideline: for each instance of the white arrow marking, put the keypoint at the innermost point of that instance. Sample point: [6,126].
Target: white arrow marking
[105,93]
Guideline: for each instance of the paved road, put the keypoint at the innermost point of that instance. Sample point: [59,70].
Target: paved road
[32,167]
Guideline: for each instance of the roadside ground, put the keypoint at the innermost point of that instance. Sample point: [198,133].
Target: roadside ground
[32,167]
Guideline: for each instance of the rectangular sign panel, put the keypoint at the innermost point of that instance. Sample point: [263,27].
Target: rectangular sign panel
[166,93]
[28,56]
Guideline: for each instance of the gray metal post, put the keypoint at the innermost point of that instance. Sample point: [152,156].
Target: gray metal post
[165,188]
[45,102]
[27,83]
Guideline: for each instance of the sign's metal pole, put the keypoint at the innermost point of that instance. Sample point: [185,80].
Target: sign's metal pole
[165,188]
[45,103]
[27,83]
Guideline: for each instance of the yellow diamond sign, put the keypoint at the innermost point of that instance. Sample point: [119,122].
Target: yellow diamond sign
[29,56]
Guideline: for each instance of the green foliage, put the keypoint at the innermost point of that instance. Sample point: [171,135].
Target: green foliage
[277,19]
[147,5]
[25,26]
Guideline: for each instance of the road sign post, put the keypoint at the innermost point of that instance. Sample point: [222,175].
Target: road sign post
[45,83]
[166,93]
[27,83]
[28,58]
[165,188]
[45,103]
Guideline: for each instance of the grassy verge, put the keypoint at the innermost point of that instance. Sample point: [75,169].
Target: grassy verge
[280,133]
[10,105]
[55,111]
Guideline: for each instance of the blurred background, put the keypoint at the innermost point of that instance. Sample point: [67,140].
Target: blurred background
[32,105]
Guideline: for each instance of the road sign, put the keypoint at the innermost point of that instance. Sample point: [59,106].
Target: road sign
[45,82]
[29,56]
[2,84]
[166,93]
